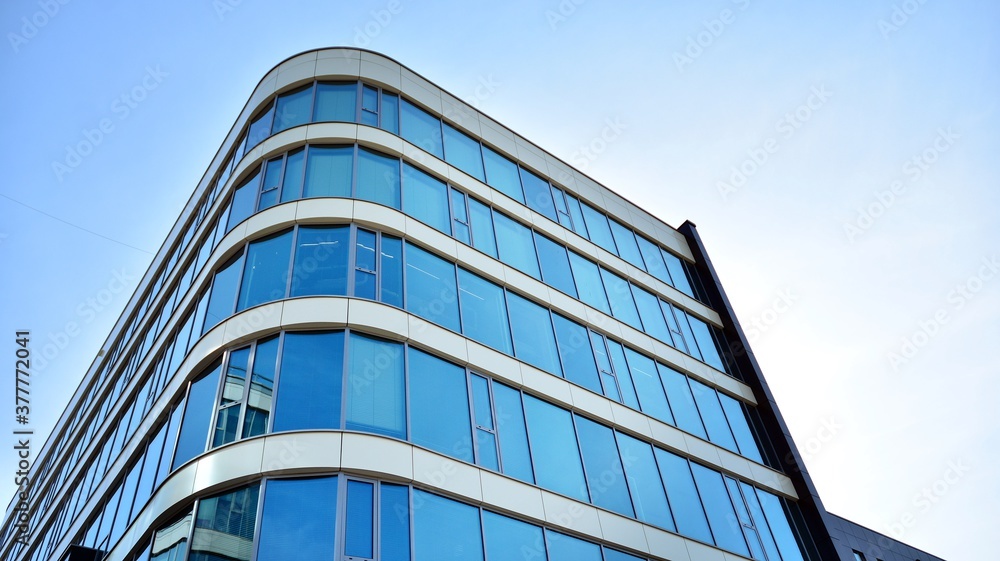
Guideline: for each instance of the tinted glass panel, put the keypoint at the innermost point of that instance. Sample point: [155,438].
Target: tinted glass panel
[531,327]
[597,226]
[430,288]
[391,265]
[328,171]
[259,397]
[681,401]
[652,400]
[712,415]
[390,112]
[625,241]
[741,429]
[421,128]
[555,265]
[445,530]
[620,295]
[244,201]
[652,318]
[780,529]
[589,284]
[709,352]
[395,522]
[426,198]
[309,383]
[223,298]
[266,273]
[615,555]
[291,186]
[481,219]
[336,102]
[224,527]
[375,391]
[378,178]
[576,354]
[197,416]
[760,521]
[538,194]
[360,523]
[512,433]
[369,106]
[643,477]
[511,540]
[484,311]
[463,152]
[567,548]
[260,128]
[439,406]
[320,266]
[554,447]
[294,108]
[272,183]
[516,246]
[677,274]
[652,256]
[604,467]
[170,541]
[684,499]
[719,509]
[365,246]
[285,533]
[502,174]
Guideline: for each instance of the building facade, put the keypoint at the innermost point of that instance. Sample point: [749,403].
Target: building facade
[387,327]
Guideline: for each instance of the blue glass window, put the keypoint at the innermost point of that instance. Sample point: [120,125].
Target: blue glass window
[683,495]
[483,237]
[285,533]
[359,523]
[677,273]
[516,246]
[426,198]
[681,401]
[197,416]
[378,178]
[460,228]
[555,265]
[713,416]
[554,448]
[589,284]
[682,320]
[320,266]
[760,521]
[261,390]
[369,106]
[652,318]
[484,311]
[390,112]
[310,381]
[394,514]
[375,387]
[670,315]
[170,541]
[502,174]
[260,128]
[597,226]
[328,171]
[538,194]
[223,298]
[531,328]
[706,343]
[508,539]
[439,406]
[741,429]
[226,523]
[445,530]
[336,102]
[391,264]
[576,353]
[244,201]
[605,475]
[567,548]
[643,478]
[231,398]
[365,268]
[512,434]
[291,183]
[293,108]
[272,183]
[421,129]
[625,242]
[743,517]
[485,429]
[652,400]
[777,520]
[615,555]
[620,296]
[653,257]
[265,275]
[431,292]
[463,152]
[719,510]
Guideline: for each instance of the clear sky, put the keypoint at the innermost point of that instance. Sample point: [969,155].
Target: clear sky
[839,159]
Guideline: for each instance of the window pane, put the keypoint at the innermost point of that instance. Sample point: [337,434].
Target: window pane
[653,258]
[741,429]
[390,112]
[589,284]
[538,194]
[677,274]
[272,183]
[223,297]
[125,505]
[502,174]
[481,399]
[375,397]
[483,237]
[597,226]
[567,548]
[360,520]
[512,433]
[328,171]
[152,457]
[439,406]
[579,225]
[430,288]
[463,152]
[604,467]
[391,265]
[683,495]
[484,311]
[336,102]
[555,265]
[615,555]
[652,318]
[291,186]
[675,329]
[426,198]
[777,519]
[625,242]
[170,541]
[576,353]
[293,108]
[260,128]
[320,266]
[508,539]
[681,401]
[364,264]
[394,538]
[369,106]
[224,527]
[197,416]
[378,178]
[619,294]
[531,327]
[712,415]
[258,408]
[517,248]
[445,530]
[244,201]
[719,509]
[706,343]
[682,321]
[266,273]
[310,380]
[554,448]
[644,481]
[421,129]
[236,375]
[652,400]
[760,521]
[460,217]
[285,533]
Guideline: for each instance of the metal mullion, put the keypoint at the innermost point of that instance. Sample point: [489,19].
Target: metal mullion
[359,104]
[258,518]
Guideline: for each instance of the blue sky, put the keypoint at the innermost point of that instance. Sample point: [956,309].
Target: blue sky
[838,158]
